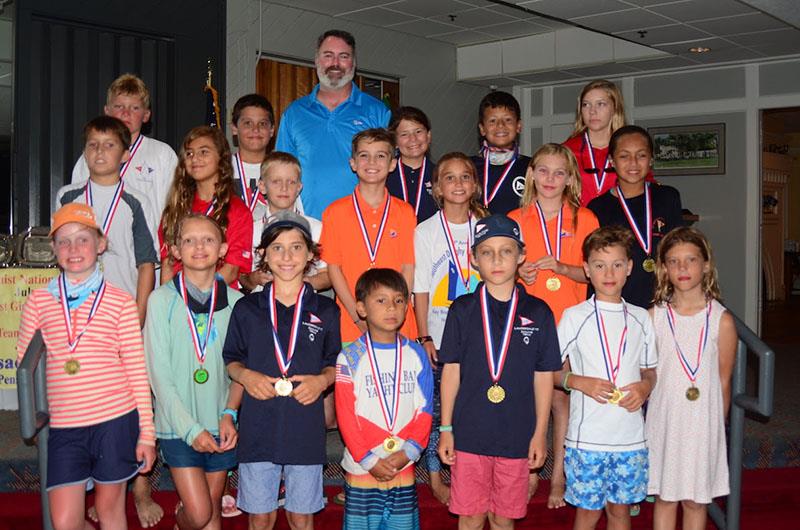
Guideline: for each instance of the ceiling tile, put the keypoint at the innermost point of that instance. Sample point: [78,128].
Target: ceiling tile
[514,12]
[726,55]
[496,82]
[424,27]
[661,64]
[602,70]
[461,38]
[633,19]
[714,43]
[645,3]
[327,7]
[664,35]
[776,50]
[700,9]
[781,36]
[739,24]
[546,77]
[426,8]
[377,16]
[562,9]
[510,30]
[474,18]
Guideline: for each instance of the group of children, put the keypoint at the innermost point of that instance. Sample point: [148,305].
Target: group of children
[474,297]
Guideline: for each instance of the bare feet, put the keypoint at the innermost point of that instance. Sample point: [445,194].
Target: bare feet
[533,485]
[149,512]
[440,490]
[556,497]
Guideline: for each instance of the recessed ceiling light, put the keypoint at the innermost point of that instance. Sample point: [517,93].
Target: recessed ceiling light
[699,49]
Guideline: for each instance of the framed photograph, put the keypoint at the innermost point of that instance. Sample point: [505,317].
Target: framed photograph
[689,149]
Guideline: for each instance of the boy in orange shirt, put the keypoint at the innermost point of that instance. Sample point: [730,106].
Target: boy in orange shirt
[368,229]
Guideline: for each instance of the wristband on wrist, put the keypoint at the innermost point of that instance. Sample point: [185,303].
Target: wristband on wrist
[230,412]
[565,383]
[425,338]
[445,428]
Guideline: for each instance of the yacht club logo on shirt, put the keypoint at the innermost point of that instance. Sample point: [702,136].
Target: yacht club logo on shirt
[518,185]
[314,326]
[526,328]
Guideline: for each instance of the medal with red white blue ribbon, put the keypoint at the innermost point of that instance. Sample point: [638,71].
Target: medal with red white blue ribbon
[692,393]
[497,361]
[135,147]
[612,370]
[211,207]
[553,283]
[372,250]
[390,412]
[200,375]
[250,198]
[451,246]
[72,366]
[487,195]
[284,387]
[404,184]
[112,207]
[599,174]
[645,241]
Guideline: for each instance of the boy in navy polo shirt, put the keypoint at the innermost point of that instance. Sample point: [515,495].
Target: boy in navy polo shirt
[281,347]
[501,169]
[499,349]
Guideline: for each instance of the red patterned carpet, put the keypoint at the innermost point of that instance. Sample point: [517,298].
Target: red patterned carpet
[771,497]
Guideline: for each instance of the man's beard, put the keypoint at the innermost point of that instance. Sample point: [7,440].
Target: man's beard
[332,84]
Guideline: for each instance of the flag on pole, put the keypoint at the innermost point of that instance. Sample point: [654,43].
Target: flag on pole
[212,101]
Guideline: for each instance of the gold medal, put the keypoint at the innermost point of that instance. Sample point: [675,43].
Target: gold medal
[496,393]
[616,396]
[200,376]
[649,265]
[283,387]
[390,445]
[553,284]
[72,367]
[692,393]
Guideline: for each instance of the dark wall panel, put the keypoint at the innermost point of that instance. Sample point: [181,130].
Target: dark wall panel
[67,55]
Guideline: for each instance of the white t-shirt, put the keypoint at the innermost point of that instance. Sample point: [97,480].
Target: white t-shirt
[605,427]
[260,215]
[130,241]
[150,172]
[435,272]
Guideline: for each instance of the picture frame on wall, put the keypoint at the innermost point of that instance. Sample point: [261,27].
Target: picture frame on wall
[689,149]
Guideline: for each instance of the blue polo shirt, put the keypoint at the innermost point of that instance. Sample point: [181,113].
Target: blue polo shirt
[281,430]
[509,194]
[427,205]
[506,428]
[321,140]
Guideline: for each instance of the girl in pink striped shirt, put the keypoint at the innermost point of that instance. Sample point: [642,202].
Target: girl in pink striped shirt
[101,417]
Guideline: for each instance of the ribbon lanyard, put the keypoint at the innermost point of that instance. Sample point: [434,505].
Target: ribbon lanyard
[123,168]
[488,197]
[372,250]
[250,199]
[112,208]
[285,359]
[404,184]
[645,241]
[701,345]
[211,207]
[599,176]
[74,338]
[546,236]
[199,348]
[451,246]
[389,413]
[496,364]
[612,371]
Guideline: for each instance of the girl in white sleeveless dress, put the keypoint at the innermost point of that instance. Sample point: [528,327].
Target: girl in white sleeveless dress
[696,340]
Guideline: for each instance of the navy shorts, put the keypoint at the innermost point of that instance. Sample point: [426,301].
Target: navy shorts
[177,453]
[104,453]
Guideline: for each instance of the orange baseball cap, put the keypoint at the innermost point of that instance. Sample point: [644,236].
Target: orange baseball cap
[73,213]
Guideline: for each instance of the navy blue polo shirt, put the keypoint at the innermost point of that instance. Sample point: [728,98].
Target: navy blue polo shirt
[667,214]
[281,430]
[506,428]
[427,206]
[512,188]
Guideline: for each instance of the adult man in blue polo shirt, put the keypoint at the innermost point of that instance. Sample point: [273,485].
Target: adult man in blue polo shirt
[318,128]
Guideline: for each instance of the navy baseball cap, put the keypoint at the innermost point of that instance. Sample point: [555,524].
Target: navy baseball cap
[496,225]
[289,219]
